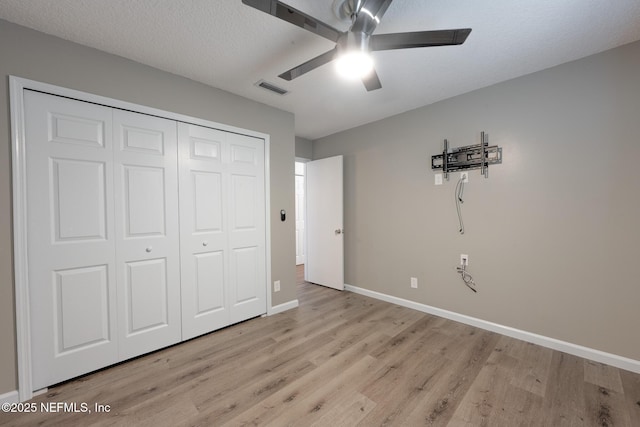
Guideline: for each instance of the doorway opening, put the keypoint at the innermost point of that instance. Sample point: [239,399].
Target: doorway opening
[300,170]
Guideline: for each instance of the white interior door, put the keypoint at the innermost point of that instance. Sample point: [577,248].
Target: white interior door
[71,239]
[325,250]
[147,239]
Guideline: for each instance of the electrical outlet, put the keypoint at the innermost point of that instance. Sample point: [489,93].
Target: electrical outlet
[464,259]
[276,286]
[438,179]
[464,176]
[414,282]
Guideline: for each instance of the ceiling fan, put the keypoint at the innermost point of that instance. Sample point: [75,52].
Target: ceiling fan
[353,47]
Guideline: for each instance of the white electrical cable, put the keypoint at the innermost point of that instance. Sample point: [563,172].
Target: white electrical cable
[459,201]
[467,278]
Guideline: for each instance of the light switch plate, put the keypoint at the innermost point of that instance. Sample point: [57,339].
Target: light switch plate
[438,179]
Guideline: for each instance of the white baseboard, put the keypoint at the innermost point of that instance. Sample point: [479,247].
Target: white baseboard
[10,397]
[282,307]
[567,347]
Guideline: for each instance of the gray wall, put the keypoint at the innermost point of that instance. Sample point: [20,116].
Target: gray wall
[34,55]
[304,148]
[552,235]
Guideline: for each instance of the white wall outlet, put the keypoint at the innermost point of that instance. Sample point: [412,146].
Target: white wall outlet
[464,176]
[464,259]
[276,286]
[414,282]
[438,179]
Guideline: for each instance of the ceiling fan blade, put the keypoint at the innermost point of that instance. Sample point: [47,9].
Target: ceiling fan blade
[372,82]
[311,64]
[419,39]
[295,17]
[369,15]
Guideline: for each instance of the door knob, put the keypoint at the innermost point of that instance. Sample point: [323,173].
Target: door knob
[149,248]
[339,231]
[205,243]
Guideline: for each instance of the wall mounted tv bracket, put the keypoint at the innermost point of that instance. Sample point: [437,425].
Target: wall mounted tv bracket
[478,156]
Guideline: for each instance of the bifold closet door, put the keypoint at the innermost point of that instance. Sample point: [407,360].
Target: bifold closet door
[247,223]
[71,238]
[147,232]
[203,219]
[103,243]
[222,217]
[121,261]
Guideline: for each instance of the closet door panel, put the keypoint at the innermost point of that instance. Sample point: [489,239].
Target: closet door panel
[207,201]
[147,295]
[71,242]
[245,206]
[245,265]
[78,197]
[203,230]
[77,326]
[209,270]
[243,203]
[146,200]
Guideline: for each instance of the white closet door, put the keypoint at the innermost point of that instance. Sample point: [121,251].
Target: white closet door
[246,210]
[203,225]
[222,215]
[147,239]
[104,236]
[71,239]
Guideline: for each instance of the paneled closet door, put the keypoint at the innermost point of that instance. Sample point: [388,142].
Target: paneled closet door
[246,211]
[222,217]
[147,235]
[203,230]
[71,239]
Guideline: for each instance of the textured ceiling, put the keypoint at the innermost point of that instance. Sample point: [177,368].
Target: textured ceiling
[226,44]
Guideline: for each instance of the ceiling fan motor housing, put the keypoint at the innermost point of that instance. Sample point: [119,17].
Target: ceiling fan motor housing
[353,41]
[346,9]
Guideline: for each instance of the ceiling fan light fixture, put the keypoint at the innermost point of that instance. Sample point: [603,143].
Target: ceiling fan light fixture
[354,57]
[354,64]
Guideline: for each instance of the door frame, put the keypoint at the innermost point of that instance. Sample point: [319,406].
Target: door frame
[17,86]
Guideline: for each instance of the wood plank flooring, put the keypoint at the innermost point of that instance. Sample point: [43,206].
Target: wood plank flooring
[342,359]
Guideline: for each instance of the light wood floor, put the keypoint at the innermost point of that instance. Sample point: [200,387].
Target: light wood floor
[342,359]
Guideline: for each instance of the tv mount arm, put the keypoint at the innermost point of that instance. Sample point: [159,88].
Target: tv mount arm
[478,156]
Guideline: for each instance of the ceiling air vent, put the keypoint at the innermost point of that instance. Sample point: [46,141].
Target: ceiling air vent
[271,87]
